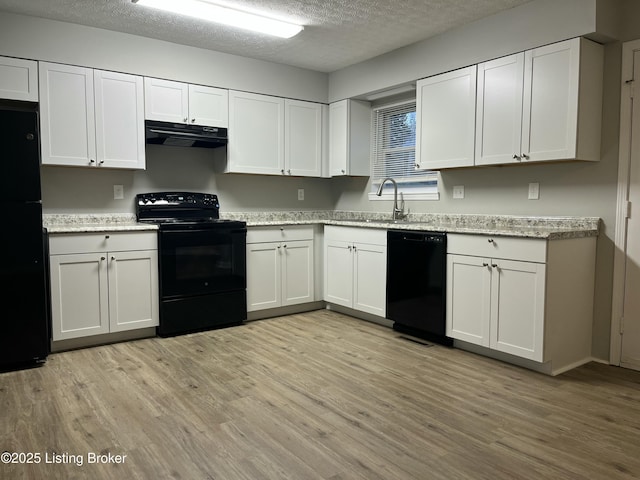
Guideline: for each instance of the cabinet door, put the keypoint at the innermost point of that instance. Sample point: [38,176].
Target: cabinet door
[338,138]
[370,278]
[256,134]
[18,79]
[468,299]
[133,290]
[67,119]
[338,273]
[119,110]
[551,102]
[445,120]
[499,110]
[264,276]
[208,106]
[517,317]
[303,138]
[166,101]
[297,272]
[79,295]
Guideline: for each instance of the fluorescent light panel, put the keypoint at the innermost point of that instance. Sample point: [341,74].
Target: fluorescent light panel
[227,16]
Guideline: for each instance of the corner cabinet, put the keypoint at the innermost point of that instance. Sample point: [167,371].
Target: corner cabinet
[280,266]
[355,269]
[176,102]
[349,138]
[529,298]
[18,79]
[103,283]
[91,118]
[274,136]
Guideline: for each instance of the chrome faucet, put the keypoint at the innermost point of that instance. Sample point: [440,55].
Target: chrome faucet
[397,212]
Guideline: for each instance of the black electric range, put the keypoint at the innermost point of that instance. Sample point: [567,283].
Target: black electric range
[202,261]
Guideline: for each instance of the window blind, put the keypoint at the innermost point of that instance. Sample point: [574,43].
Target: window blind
[393,148]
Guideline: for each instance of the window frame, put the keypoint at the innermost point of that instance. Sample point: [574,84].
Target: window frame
[429,181]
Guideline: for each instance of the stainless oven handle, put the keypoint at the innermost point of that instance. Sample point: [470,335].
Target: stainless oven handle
[167,132]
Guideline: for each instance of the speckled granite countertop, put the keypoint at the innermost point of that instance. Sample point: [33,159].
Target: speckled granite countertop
[551,228]
[92,223]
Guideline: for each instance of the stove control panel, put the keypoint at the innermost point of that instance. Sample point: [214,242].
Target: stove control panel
[176,205]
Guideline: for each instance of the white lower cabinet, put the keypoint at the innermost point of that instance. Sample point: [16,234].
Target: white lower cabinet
[355,273]
[280,267]
[103,283]
[530,298]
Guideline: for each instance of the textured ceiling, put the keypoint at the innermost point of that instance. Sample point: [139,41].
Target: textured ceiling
[337,33]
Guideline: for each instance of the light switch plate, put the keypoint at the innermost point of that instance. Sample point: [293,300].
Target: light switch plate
[534,191]
[301,194]
[118,192]
[458,191]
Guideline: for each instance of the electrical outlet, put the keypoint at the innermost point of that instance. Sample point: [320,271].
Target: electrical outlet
[458,191]
[301,194]
[534,191]
[118,192]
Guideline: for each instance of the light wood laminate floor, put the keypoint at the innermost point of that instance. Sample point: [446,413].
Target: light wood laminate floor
[315,396]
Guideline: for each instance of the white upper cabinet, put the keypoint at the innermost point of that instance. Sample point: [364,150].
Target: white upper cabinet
[166,101]
[18,79]
[256,134]
[274,136]
[445,120]
[349,138]
[67,115]
[540,105]
[562,105]
[119,111]
[303,138]
[208,106]
[177,102]
[91,118]
[499,110]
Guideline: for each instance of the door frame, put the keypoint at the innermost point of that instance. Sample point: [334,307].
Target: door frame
[622,208]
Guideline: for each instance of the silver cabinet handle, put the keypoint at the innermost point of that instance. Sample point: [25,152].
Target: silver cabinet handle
[494,265]
[193,120]
[102,259]
[490,240]
[342,171]
[289,171]
[113,259]
[282,171]
[516,157]
[485,264]
[525,156]
[185,119]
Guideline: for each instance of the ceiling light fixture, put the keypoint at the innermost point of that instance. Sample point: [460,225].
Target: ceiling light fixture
[227,16]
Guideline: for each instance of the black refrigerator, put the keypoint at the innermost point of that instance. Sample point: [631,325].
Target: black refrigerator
[24,304]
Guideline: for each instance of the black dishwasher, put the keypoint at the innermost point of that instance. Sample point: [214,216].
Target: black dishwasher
[416,283]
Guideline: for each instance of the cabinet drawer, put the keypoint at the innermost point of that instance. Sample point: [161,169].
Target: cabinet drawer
[68,243]
[279,234]
[526,249]
[372,236]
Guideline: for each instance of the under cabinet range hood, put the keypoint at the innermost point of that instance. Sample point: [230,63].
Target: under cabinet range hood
[183,135]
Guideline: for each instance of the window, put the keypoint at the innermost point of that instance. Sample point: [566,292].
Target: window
[393,154]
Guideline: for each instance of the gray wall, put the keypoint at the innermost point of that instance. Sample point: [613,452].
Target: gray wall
[86,190]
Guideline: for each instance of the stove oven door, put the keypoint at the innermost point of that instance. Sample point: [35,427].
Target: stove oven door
[201,261]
